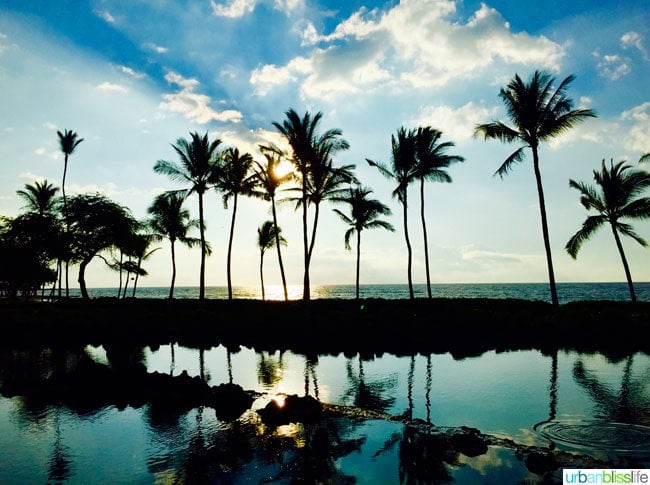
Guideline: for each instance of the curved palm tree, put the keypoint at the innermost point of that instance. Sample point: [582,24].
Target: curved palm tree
[402,169]
[432,160]
[538,112]
[40,197]
[364,214]
[170,220]
[305,141]
[267,237]
[616,198]
[267,183]
[235,179]
[199,167]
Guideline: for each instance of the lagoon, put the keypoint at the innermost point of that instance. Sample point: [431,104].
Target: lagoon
[396,411]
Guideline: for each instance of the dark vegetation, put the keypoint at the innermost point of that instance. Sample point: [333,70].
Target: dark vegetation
[463,327]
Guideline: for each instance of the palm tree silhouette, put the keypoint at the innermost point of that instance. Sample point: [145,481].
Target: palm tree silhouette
[267,237]
[142,252]
[170,220]
[68,142]
[538,112]
[307,145]
[403,170]
[364,214]
[39,198]
[267,182]
[615,198]
[199,166]
[432,160]
[234,179]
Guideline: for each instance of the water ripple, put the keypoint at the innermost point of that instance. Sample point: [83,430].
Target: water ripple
[598,435]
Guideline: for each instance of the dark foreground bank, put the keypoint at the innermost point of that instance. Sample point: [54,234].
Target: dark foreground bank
[463,326]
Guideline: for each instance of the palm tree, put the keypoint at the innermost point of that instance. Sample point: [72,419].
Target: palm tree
[199,166]
[538,112]
[403,169]
[432,160]
[365,214]
[141,251]
[268,180]
[235,179]
[305,142]
[40,197]
[267,237]
[170,220]
[615,198]
[68,142]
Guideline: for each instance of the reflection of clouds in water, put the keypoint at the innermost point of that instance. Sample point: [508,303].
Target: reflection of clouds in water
[494,458]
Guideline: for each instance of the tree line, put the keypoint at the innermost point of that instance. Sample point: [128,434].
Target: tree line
[52,232]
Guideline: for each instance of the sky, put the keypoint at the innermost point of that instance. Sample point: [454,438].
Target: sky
[131,78]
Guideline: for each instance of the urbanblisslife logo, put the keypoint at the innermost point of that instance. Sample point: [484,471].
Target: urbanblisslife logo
[613,476]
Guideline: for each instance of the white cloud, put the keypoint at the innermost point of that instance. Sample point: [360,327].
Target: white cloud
[634,39]
[612,66]
[234,9]
[43,152]
[194,106]
[156,48]
[422,45]
[637,137]
[131,72]
[266,77]
[108,87]
[105,14]
[289,6]
[457,124]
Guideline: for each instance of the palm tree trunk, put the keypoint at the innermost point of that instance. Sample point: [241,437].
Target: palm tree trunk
[67,225]
[408,248]
[424,233]
[277,245]
[119,289]
[626,267]
[126,284]
[358,258]
[82,278]
[262,273]
[202,235]
[547,242]
[137,275]
[313,230]
[171,286]
[232,232]
[306,292]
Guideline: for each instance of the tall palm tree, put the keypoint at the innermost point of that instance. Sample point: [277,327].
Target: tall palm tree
[268,180]
[267,237]
[615,198]
[68,142]
[538,112]
[432,160]
[235,179]
[326,182]
[199,167]
[170,220]
[141,252]
[403,170]
[305,142]
[364,214]
[40,197]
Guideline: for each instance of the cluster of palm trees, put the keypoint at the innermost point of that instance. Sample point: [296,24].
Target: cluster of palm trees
[84,226]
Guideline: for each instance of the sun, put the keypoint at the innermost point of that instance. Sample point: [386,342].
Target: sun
[283,168]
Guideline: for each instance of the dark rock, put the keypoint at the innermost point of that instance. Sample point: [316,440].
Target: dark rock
[469,443]
[294,410]
[541,462]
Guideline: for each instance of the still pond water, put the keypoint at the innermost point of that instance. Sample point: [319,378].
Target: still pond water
[586,404]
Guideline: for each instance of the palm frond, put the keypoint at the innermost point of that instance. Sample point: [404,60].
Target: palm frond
[629,231]
[347,236]
[515,157]
[589,227]
[496,130]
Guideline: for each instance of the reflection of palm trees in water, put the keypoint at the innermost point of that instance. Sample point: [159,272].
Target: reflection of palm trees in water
[60,464]
[552,388]
[311,361]
[269,370]
[369,395]
[627,405]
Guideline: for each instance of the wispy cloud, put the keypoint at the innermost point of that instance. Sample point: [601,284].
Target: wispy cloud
[159,49]
[106,16]
[458,123]
[635,40]
[637,137]
[612,66]
[108,87]
[131,72]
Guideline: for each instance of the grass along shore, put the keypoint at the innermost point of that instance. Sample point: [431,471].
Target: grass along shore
[459,326]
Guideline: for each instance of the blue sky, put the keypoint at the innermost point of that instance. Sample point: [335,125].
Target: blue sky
[132,77]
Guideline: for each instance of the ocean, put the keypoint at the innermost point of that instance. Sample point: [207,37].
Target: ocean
[567,292]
